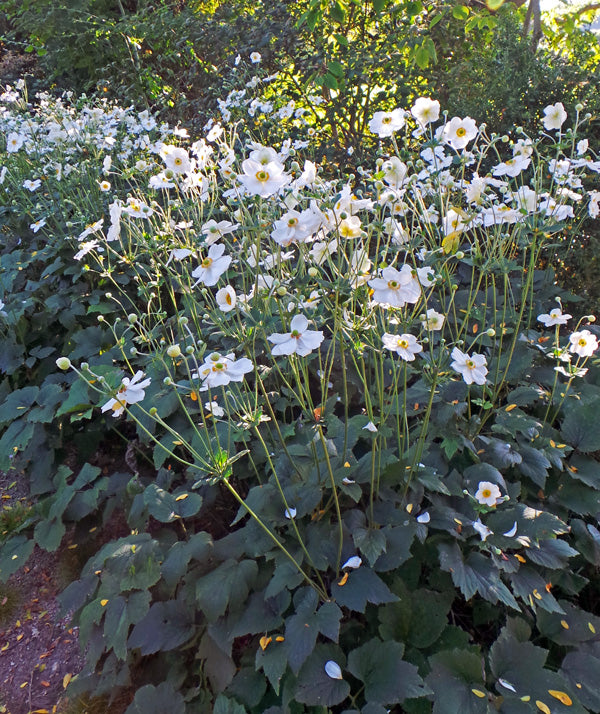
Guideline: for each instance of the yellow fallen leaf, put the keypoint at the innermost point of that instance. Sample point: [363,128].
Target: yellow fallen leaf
[264,642]
[66,679]
[104,602]
[592,628]
[344,580]
[564,624]
[478,693]
[542,707]
[510,407]
[182,496]
[562,697]
[280,638]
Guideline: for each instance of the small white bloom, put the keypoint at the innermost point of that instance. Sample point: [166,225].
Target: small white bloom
[554,116]
[405,345]
[434,320]
[386,123]
[226,298]
[130,392]
[214,409]
[32,185]
[298,341]
[395,288]
[426,110]
[370,427]
[255,57]
[219,370]
[213,266]
[487,493]
[35,227]
[472,368]
[459,132]
[554,317]
[583,343]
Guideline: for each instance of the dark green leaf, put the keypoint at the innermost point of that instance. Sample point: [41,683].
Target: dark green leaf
[157,700]
[231,580]
[576,429]
[167,625]
[453,677]
[386,677]
[315,686]
[362,586]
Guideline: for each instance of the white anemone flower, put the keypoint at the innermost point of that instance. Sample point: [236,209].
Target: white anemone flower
[213,266]
[219,370]
[554,116]
[487,493]
[459,132]
[472,368]
[130,392]
[263,179]
[176,159]
[554,317]
[213,230]
[426,110]
[14,142]
[433,320]
[226,299]
[405,346]
[298,341]
[395,288]
[583,343]
[386,123]
[214,409]
[482,529]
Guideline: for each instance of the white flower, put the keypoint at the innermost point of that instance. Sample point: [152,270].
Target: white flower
[130,392]
[214,409]
[32,185]
[14,142]
[263,179]
[426,110]
[472,368]
[179,254]
[213,266]
[554,116]
[226,298]
[487,493]
[333,670]
[512,167]
[371,427]
[483,530]
[434,320]
[35,227]
[406,346]
[583,343]
[354,562]
[394,172]
[350,227]
[321,249]
[386,123]
[219,370]
[104,186]
[255,57]
[582,147]
[554,317]
[396,287]
[85,248]
[176,159]
[459,132]
[137,209]
[91,228]
[213,230]
[298,341]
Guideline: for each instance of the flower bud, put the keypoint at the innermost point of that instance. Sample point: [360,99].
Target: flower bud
[63,363]
[281,290]
[167,381]
[459,255]
[313,272]
[189,350]
[152,411]
[100,318]
[591,318]
[174,351]
[183,321]
[579,107]
[133,351]
[490,332]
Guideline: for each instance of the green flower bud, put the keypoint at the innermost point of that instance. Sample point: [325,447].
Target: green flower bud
[189,350]
[167,381]
[132,317]
[313,272]
[63,363]
[152,411]
[174,351]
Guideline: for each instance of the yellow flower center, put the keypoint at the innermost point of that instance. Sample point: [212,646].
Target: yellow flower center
[206,263]
[393,284]
[386,120]
[262,176]
[461,131]
[486,493]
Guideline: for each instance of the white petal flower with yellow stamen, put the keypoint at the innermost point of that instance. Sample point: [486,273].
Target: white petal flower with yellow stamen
[554,317]
[226,299]
[263,179]
[130,392]
[426,110]
[405,346]
[386,123]
[554,116]
[459,132]
[487,493]
[433,320]
[472,368]
[219,370]
[299,340]
[176,159]
[213,266]
[395,288]
[583,343]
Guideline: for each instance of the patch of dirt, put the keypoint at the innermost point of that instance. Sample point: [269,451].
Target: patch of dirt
[14,65]
[38,651]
